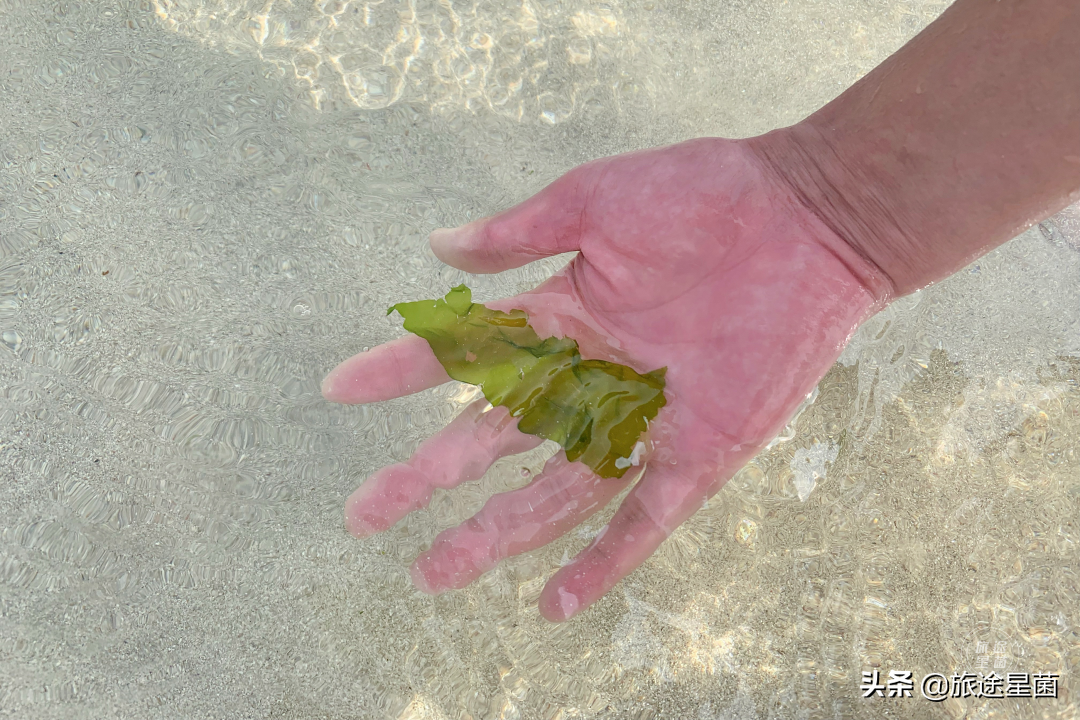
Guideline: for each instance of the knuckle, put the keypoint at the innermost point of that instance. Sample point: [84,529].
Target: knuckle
[635,518]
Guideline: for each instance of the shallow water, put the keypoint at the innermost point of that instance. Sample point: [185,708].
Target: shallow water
[205,206]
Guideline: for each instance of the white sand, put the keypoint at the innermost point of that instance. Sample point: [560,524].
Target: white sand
[204,207]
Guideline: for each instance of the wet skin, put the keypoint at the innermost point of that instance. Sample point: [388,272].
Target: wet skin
[694,257]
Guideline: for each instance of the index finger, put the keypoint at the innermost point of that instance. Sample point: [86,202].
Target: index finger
[400,367]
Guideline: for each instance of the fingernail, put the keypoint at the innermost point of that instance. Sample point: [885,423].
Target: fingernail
[333,390]
[338,389]
[445,237]
[442,234]
[327,387]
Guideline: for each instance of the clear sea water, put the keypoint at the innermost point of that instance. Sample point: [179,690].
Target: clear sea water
[204,206]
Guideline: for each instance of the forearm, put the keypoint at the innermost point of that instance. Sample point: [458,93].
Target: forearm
[963,138]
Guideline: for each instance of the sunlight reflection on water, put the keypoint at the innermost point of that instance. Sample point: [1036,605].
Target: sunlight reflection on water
[205,206]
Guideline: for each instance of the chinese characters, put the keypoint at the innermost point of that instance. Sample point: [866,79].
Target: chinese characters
[936,687]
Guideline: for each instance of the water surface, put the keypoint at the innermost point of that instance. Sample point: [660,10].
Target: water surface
[204,206]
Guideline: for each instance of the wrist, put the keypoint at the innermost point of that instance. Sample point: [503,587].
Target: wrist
[956,143]
[850,202]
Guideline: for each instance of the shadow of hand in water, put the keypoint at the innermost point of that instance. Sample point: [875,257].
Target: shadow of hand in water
[691,257]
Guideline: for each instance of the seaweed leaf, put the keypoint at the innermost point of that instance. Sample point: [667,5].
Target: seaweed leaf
[596,410]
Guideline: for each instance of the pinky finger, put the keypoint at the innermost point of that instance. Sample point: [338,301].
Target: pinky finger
[651,511]
[510,523]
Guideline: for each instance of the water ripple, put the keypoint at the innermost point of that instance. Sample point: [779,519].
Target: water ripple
[206,205]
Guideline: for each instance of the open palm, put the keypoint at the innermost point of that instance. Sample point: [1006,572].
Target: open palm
[694,257]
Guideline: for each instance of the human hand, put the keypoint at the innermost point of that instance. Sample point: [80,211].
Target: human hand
[695,257]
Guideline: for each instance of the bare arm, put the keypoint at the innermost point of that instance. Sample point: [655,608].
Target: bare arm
[959,141]
[742,277]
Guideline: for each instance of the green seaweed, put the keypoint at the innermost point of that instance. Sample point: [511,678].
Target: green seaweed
[596,410]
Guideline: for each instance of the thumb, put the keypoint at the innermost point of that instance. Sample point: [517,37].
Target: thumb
[546,224]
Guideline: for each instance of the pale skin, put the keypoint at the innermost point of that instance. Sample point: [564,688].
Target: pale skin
[743,266]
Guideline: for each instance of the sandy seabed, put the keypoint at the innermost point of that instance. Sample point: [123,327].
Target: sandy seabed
[205,206]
